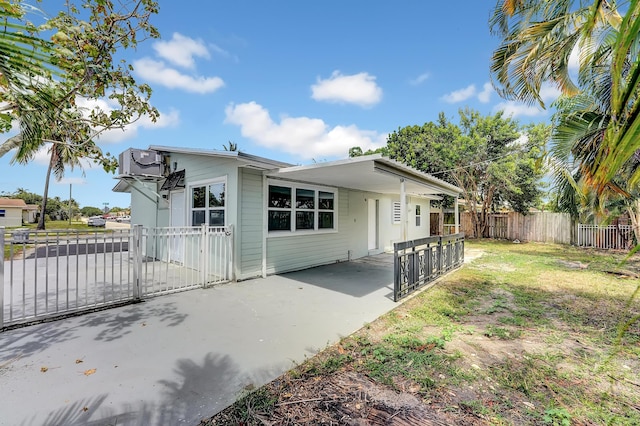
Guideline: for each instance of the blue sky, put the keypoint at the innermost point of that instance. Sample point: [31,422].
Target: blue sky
[296,81]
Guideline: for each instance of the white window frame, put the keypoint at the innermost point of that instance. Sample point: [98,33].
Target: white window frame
[316,210]
[206,209]
[3,213]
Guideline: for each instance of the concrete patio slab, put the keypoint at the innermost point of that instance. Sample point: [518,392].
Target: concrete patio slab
[179,358]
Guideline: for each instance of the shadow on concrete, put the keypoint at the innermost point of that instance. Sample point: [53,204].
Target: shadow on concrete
[28,340]
[109,325]
[79,413]
[112,325]
[356,278]
[201,390]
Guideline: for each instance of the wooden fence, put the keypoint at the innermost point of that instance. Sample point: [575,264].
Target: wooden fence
[550,227]
[538,226]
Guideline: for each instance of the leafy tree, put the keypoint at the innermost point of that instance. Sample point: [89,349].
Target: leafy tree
[77,67]
[90,211]
[23,194]
[493,159]
[356,151]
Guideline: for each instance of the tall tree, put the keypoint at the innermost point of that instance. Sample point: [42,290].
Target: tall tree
[492,158]
[75,68]
[538,38]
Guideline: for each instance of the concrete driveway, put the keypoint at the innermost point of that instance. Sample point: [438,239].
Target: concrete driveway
[177,359]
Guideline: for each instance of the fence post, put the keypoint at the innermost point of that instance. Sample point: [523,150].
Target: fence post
[204,253]
[230,236]
[136,241]
[2,279]
[439,255]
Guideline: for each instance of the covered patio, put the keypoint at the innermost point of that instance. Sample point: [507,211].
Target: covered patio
[376,174]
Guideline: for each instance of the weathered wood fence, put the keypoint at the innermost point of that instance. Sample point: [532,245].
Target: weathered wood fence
[544,227]
[550,227]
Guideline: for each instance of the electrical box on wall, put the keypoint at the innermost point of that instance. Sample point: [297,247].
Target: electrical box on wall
[139,162]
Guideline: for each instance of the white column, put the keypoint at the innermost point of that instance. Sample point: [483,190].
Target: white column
[265,223]
[403,210]
[457,220]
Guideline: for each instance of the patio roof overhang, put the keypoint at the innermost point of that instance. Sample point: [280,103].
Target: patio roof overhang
[371,173]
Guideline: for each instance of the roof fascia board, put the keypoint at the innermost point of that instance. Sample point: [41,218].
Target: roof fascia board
[423,180]
[402,170]
[262,162]
[320,165]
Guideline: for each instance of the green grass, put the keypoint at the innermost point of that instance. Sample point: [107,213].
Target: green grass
[528,333]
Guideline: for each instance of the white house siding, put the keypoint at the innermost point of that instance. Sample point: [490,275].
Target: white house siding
[12,216]
[145,208]
[200,168]
[391,232]
[249,230]
[294,252]
[415,231]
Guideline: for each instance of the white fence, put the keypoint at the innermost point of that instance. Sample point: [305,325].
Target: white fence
[605,237]
[52,273]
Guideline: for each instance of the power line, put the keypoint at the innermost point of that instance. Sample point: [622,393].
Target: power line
[471,165]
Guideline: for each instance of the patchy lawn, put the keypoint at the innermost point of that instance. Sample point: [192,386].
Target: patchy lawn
[525,334]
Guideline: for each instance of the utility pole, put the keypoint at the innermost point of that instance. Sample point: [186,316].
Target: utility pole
[70,205]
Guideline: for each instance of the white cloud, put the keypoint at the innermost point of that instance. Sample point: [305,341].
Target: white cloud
[485,95]
[304,137]
[360,89]
[181,50]
[574,59]
[72,180]
[518,109]
[460,95]
[158,72]
[420,79]
[166,119]
[549,93]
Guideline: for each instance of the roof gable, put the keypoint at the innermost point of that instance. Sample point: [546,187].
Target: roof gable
[12,202]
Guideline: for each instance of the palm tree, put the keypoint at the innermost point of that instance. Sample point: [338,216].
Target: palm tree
[601,109]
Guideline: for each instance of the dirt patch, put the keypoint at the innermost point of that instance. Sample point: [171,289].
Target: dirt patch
[346,398]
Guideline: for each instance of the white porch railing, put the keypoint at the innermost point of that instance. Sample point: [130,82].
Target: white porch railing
[53,273]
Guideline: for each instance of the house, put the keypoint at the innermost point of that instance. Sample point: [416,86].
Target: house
[30,213]
[284,217]
[11,211]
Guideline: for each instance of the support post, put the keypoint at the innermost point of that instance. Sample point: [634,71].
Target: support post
[204,253]
[2,278]
[403,210]
[456,213]
[136,242]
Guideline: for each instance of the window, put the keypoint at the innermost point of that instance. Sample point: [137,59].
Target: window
[2,213]
[292,208]
[396,214]
[418,215]
[208,204]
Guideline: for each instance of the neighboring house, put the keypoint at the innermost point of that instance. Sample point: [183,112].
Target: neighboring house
[30,213]
[284,217]
[11,211]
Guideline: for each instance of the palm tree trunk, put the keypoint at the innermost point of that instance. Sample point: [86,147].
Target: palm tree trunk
[41,225]
[634,215]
